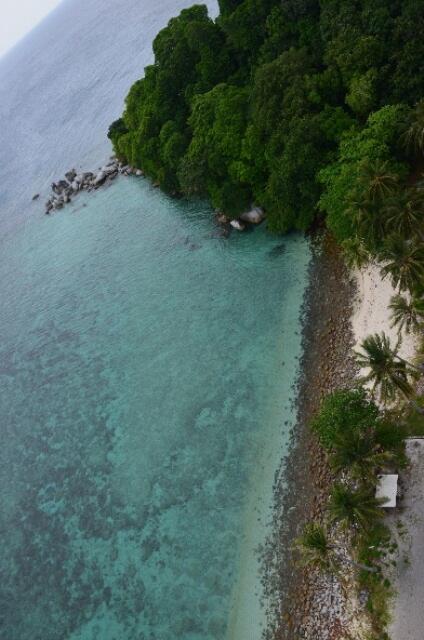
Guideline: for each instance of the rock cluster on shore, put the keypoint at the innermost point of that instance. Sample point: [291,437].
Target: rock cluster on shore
[255,215]
[64,190]
[73,182]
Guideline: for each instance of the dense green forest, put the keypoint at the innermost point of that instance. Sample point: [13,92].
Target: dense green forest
[308,108]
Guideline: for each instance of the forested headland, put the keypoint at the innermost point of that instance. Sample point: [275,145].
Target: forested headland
[302,107]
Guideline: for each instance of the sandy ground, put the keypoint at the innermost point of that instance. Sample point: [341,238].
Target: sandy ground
[371,314]
[408,526]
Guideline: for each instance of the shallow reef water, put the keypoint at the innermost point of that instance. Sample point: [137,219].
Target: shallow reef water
[142,385]
[147,365]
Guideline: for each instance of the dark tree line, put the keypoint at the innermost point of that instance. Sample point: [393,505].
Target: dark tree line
[286,104]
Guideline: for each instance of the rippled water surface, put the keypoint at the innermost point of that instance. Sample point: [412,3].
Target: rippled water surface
[146,371]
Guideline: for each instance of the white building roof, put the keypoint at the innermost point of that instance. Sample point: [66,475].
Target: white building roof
[387,488]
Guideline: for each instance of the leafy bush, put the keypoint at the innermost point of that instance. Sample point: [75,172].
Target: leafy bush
[344,411]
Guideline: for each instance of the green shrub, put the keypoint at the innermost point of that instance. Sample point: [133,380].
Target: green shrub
[342,411]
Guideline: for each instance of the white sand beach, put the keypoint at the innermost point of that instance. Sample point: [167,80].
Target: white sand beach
[372,315]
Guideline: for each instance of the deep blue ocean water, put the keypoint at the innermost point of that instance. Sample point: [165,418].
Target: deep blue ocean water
[147,366]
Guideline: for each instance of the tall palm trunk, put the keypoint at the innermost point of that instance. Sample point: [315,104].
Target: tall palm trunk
[353,563]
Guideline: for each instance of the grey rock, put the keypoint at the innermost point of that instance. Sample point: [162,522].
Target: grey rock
[70,175]
[236,224]
[254,216]
[221,218]
[99,179]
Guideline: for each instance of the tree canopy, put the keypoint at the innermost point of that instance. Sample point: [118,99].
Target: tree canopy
[287,104]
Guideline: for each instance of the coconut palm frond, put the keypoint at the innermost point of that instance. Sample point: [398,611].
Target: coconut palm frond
[316,550]
[377,180]
[387,371]
[358,508]
[407,314]
[356,254]
[404,262]
[404,213]
[413,138]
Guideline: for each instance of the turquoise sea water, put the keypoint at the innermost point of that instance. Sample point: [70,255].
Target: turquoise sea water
[146,385]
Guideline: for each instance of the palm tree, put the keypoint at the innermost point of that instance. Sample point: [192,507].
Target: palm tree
[389,373]
[390,437]
[316,549]
[407,315]
[413,137]
[357,452]
[368,219]
[376,180]
[319,552]
[356,254]
[404,262]
[404,213]
[354,508]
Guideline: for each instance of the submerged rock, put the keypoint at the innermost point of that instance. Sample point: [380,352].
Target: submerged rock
[221,218]
[36,196]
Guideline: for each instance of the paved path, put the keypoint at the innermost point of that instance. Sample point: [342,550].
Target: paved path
[408,615]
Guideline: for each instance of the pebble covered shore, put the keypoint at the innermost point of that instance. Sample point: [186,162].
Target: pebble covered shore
[305,604]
